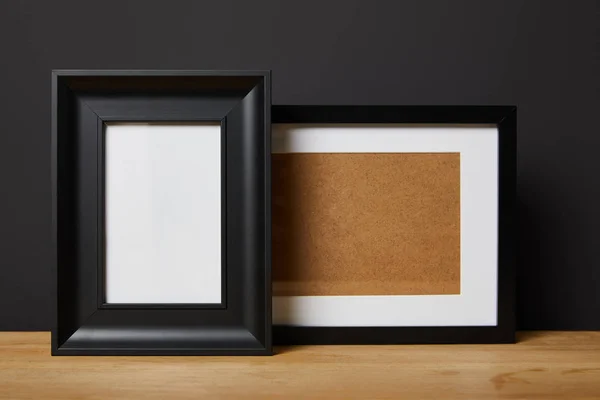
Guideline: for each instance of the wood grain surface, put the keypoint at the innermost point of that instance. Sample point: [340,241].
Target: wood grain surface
[543,365]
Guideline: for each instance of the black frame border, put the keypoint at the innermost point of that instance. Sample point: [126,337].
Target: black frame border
[505,118]
[83,102]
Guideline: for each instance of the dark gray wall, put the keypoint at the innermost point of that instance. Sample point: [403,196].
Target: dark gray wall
[539,55]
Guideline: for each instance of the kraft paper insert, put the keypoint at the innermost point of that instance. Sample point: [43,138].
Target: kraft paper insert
[366,224]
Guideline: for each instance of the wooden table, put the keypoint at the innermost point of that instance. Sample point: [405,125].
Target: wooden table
[543,365]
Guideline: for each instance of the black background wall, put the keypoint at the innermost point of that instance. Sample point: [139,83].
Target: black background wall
[539,55]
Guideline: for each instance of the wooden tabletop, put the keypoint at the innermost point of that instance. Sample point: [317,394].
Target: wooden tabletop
[543,365]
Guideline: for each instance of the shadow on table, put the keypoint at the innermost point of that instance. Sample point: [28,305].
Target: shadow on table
[277,350]
[526,336]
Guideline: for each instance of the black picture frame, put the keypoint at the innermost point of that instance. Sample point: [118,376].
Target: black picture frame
[83,101]
[505,117]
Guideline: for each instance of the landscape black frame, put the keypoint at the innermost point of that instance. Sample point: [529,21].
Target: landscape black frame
[83,102]
[505,118]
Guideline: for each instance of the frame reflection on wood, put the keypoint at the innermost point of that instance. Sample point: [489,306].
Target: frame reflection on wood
[393,224]
[161,188]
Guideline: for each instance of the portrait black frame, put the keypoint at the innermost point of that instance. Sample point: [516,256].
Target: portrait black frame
[83,102]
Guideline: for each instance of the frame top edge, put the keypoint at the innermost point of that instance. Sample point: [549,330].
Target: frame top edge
[157,72]
[487,114]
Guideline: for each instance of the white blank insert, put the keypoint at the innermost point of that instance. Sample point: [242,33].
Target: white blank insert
[163,213]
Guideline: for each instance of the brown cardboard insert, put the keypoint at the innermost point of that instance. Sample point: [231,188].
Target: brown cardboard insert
[366,224]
